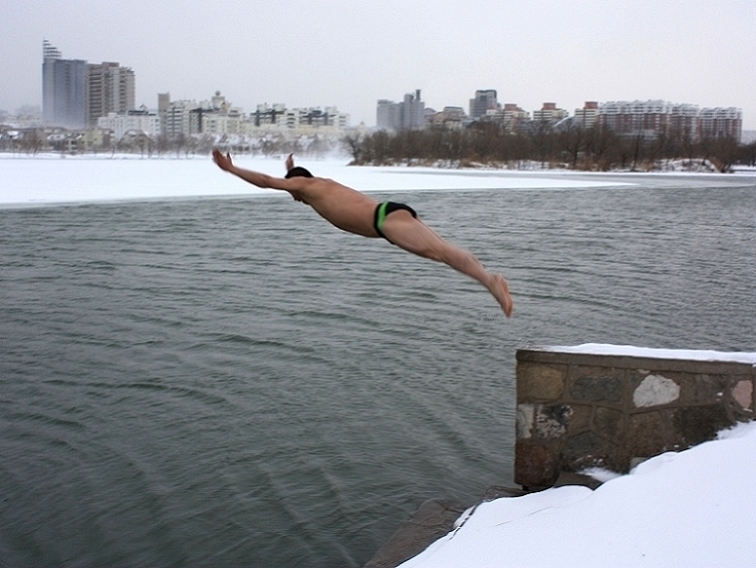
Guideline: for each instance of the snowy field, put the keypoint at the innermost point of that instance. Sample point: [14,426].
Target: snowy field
[81,179]
[692,508]
[26,180]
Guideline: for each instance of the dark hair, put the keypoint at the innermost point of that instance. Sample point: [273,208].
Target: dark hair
[298,172]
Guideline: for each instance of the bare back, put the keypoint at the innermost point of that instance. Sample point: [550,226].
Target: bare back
[338,204]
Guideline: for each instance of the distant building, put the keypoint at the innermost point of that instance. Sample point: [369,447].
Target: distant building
[267,115]
[111,89]
[164,103]
[277,117]
[406,115]
[484,102]
[721,123]
[175,117]
[75,94]
[513,117]
[141,120]
[636,118]
[586,117]
[450,117]
[651,119]
[315,118]
[27,116]
[64,89]
[510,117]
[549,113]
[387,114]
[682,121]
[218,117]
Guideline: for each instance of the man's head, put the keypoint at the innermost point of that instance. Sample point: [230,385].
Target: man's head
[298,172]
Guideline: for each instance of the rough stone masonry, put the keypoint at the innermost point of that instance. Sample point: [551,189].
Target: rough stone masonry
[579,410]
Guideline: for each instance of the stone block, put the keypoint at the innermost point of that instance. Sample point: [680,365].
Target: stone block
[537,382]
[701,389]
[580,451]
[609,423]
[646,435]
[525,418]
[655,390]
[742,393]
[696,424]
[580,420]
[551,421]
[597,389]
[535,466]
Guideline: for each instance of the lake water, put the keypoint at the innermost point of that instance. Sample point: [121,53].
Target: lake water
[233,382]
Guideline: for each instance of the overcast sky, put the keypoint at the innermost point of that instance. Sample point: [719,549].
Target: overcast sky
[350,54]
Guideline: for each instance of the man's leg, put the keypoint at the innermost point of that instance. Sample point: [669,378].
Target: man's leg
[414,236]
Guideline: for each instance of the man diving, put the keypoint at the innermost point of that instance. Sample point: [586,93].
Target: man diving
[355,212]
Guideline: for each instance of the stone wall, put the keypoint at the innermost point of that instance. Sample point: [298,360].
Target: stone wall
[578,409]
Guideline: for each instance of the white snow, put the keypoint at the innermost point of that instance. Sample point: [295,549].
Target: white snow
[645,352]
[692,508]
[50,179]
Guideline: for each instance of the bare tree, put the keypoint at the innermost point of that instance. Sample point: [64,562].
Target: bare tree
[724,153]
[572,141]
[352,143]
[540,137]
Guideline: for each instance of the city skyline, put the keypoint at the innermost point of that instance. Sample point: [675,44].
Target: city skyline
[350,57]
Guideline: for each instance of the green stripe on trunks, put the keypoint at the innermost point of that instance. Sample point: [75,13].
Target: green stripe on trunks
[381,215]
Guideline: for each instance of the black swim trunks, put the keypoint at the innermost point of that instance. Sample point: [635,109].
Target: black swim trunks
[383,210]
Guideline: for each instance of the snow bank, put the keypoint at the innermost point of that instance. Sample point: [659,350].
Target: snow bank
[630,351]
[692,508]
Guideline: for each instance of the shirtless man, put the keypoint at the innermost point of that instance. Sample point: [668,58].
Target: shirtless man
[357,213]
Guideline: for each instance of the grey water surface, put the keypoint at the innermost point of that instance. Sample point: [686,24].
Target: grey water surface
[233,382]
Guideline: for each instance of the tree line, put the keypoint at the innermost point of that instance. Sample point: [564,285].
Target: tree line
[573,147]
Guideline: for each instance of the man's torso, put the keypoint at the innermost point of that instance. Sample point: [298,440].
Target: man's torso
[342,206]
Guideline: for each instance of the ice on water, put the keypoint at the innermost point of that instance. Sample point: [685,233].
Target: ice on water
[102,178]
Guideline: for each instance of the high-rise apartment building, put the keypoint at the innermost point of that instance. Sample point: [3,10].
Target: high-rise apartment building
[111,89]
[75,94]
[406,115]
[549,113]
[651,119]
[484,101]
[512,116]
[64,89]
[721,123]
[586,117]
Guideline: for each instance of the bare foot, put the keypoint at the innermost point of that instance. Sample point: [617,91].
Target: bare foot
[500,291]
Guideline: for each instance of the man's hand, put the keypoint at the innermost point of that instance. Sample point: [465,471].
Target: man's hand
[224,162]
[289,162]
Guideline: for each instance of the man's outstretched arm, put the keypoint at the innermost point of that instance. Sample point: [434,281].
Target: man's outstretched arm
[255,178]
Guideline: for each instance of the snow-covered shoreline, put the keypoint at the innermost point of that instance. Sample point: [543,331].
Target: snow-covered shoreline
[646,352]
[692,508]
[47,179]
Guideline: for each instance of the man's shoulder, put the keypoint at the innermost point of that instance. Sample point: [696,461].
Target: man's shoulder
[323,182]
